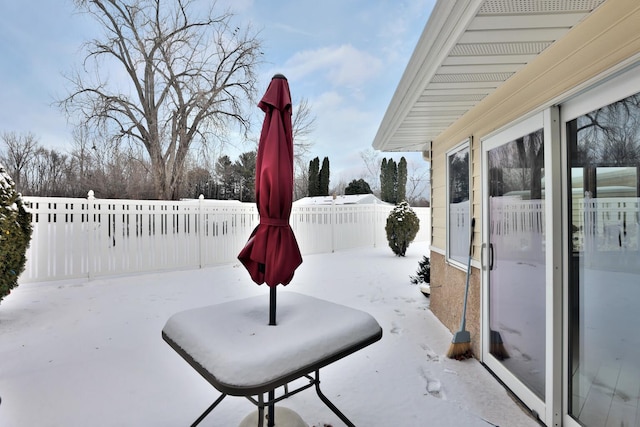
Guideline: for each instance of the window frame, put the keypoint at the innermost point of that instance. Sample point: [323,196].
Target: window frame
[458,148]
[604,91]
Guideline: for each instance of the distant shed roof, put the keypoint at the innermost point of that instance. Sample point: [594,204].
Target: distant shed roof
[352,199]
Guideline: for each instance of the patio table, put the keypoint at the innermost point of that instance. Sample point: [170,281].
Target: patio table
[232,346]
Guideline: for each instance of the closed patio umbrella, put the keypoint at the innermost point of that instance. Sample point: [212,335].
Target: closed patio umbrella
[271,254]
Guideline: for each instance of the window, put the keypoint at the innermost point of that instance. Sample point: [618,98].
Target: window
[458,204]
[604,274]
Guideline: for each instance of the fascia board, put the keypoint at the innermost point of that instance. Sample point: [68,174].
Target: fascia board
[447,23]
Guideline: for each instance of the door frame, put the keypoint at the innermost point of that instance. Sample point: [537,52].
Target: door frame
[549,409]
[607,90]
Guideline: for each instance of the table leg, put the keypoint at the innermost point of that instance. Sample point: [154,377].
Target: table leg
[331,406]
[209,409]
[260,411]
[272,410]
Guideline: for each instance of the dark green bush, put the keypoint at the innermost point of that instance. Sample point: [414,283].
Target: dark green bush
[423,275]
[15,234]
[402,227]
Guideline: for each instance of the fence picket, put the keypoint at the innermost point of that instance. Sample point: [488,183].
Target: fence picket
[75,238]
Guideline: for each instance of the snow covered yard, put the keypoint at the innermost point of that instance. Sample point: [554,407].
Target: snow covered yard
[90,353]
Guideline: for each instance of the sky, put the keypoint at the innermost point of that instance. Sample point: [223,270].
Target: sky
[344,57]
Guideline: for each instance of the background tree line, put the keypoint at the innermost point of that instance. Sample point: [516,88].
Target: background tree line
[187,81]
[318,177]
[393,180]
[113,170]
[116,170]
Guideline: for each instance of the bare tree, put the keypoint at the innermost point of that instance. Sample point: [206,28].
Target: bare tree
[82,154]
[418,182]
[609,136]
[301,181]
[339,188]
[18,151]
[185,79]
[302,125]
[199,182]
[50,174]
[372,164]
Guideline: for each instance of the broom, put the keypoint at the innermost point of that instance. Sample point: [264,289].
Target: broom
[497,347]
[460,347]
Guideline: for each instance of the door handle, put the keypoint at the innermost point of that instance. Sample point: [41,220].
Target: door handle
[490,256]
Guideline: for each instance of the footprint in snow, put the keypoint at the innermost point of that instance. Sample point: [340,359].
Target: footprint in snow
[431,356]
[434,386]
[395,329]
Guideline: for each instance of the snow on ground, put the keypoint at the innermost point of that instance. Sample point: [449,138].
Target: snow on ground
[90,353]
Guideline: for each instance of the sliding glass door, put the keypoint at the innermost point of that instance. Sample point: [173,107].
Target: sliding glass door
[515,266]
[603,156]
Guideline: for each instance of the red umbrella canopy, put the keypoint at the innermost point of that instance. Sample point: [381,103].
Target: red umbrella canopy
[272,254]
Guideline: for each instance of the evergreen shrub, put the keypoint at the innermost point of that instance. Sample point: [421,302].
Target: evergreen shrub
[15,234]
[402,227]
[423,275]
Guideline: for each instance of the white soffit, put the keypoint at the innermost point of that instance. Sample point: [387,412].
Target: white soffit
[467,50]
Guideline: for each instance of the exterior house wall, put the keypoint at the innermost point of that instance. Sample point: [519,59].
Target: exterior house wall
[439,197]
[603,43]
[447,300]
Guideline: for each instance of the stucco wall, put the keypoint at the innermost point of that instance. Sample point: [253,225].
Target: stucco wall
[447,296]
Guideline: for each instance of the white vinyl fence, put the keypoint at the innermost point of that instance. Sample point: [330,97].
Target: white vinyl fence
[74,238]
[607,230]
[610,224]
[517,228]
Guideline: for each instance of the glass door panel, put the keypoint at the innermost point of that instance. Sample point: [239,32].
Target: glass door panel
[516,300]
[604,273]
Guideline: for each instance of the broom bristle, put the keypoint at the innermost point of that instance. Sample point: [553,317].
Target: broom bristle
[459,350]
[499,352]
[496,347]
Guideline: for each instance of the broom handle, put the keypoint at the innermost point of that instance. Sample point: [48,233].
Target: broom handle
[466,287]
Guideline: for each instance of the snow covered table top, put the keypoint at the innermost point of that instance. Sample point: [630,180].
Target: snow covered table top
[233,347]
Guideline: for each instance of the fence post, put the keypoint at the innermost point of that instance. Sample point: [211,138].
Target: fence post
[375,221]
[91,229]
[333,224]
[200,229]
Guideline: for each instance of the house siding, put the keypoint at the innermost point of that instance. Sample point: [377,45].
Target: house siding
[609,34]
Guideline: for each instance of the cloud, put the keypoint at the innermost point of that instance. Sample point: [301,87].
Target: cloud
[341,131]
[342,66]
[292,30]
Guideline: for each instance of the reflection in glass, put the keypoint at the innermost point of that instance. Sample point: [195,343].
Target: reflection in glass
[458,167]
[517,265]
[604,281]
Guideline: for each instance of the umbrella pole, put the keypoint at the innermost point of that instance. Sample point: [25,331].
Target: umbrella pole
[272,322]
[272,306]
